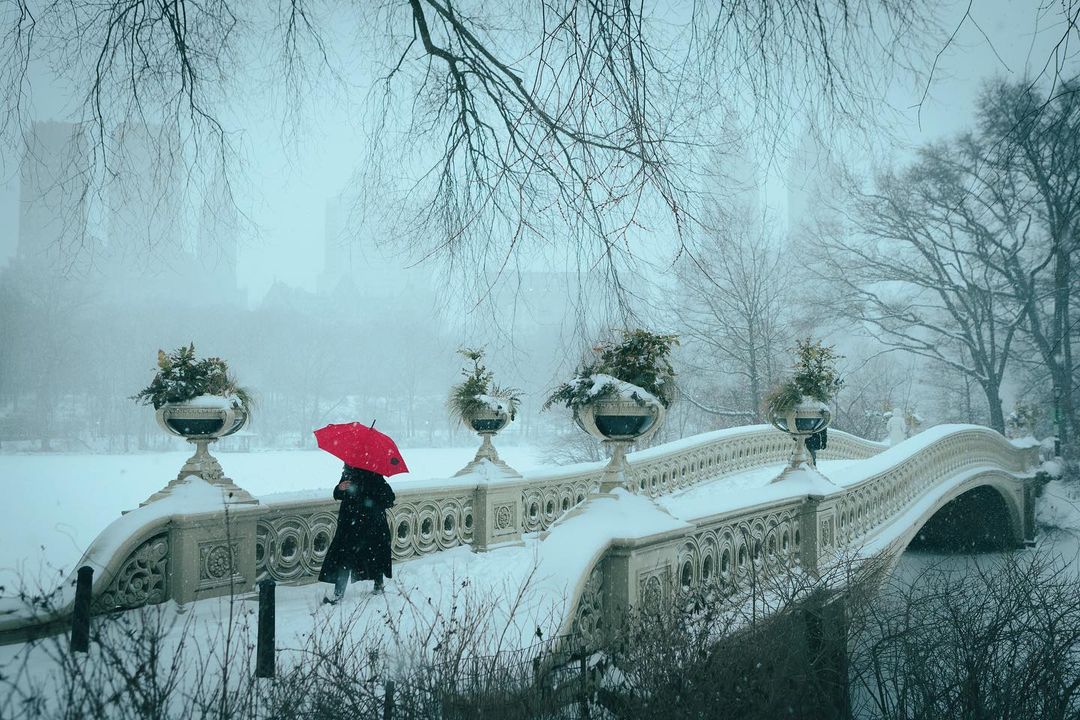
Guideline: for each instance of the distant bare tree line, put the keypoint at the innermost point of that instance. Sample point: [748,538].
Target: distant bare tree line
[961,262]
[967,257]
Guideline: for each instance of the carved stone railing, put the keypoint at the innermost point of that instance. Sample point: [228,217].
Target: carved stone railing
[797,528]
[181,548]
[662,470]
[174,549]
[678,465]
[869,503]
[294,534]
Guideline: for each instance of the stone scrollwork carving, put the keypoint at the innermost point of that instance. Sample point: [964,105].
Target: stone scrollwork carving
[141,579]
[825,533]
[654,587]
[427,525]
[544,504]
[218,563]
[588,623]
[291,547]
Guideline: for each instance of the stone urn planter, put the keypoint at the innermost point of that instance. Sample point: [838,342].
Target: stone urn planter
[487,422]
[620,393]
[205,417]
[618,419]
[199,400]
[801,420]
[201,421]
[618,422]
[479,403]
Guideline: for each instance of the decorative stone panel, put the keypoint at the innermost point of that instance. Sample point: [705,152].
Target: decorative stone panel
[588,625]
[141,579]
[219,565]
[504,518]
[291,548]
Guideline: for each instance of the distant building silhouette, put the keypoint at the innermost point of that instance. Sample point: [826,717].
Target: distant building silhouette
[145,205]
[740,174]
[337,250]
[811,182]
[53,238]
[358,268]
[217,245]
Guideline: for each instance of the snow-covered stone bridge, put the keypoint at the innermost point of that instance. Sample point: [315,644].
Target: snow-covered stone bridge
[564,557]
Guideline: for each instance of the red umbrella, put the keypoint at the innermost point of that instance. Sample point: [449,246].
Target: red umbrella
[362,447]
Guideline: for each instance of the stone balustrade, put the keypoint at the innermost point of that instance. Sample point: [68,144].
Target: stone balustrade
[770,539]
[430,516]
[285,537]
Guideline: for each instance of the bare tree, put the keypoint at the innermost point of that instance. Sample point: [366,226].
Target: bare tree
[565,124]
[729,304]
[870,389]
[1033,160]
[918,277]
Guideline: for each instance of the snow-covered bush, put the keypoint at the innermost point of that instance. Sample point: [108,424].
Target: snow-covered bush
[478,392]
[1021,421]
[181,377]
[637,367]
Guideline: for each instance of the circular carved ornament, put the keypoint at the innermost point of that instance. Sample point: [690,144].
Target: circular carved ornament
[503,517]
[217,562]
[653,593]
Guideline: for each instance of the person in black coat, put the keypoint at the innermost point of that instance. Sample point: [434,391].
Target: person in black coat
[817,441]
[361,545]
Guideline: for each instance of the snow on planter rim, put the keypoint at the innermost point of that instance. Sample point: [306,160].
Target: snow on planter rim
[605,386]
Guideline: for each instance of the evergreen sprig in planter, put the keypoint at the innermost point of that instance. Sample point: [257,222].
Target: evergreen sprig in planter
[799,405]
[479,403]
[198,400]
[621,394]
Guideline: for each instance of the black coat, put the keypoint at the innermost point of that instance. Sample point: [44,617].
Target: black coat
[818,441]
[362,540]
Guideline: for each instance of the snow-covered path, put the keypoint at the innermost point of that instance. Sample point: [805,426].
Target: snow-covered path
[508,598]
[523,593]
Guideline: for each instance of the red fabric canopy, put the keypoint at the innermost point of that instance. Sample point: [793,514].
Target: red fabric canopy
[362,447]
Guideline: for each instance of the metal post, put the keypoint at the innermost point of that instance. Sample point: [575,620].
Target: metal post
[80,616]
[1057,422]
[264,651]
[388,701]
[583,700]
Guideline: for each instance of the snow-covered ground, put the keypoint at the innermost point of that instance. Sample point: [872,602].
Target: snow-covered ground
[52,506]
[506,598]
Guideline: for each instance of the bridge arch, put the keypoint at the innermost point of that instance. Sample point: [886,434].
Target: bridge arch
[990,499]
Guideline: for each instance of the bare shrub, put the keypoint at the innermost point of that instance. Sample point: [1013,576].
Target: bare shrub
[1000,639]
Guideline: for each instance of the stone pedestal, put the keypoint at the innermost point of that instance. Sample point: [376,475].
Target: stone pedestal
[213,554]
[615,471]
[204,465]
[498,512]
[817,530]
[488,452]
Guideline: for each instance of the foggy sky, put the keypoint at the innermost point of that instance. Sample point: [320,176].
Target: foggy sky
[285,189]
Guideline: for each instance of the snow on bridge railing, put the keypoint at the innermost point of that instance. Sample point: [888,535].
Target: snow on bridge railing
[195,549]
[764,533]
[486,510]
[877,492]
